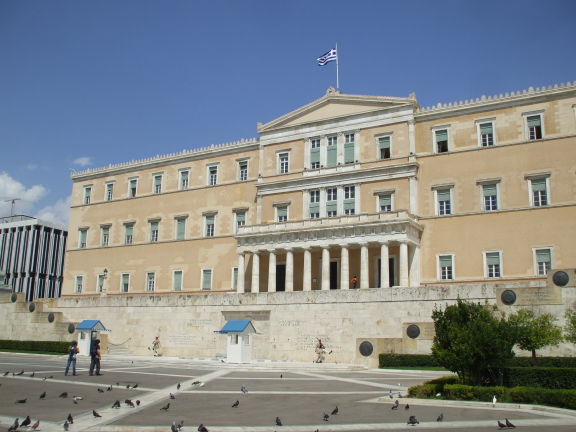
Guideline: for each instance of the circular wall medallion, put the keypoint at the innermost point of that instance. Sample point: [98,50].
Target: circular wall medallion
[71,328]
[560,278]
[51,317]
[413,331]
[13,297]
[366,348]
[508,297]
[32,307]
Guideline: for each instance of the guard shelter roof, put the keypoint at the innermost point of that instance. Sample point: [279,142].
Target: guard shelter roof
[237,326]
[92,325]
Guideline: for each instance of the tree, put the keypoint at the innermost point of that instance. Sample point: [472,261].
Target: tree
[535,331]
[474,341]
[570,329]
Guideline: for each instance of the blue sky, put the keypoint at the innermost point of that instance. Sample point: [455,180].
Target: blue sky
[88,83]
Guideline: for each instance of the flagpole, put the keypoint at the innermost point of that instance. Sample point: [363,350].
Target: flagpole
[337,67]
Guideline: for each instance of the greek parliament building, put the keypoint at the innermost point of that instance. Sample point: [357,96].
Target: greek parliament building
[349,219]
[32,256]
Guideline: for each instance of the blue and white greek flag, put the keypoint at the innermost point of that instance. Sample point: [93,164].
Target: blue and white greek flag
[328,57]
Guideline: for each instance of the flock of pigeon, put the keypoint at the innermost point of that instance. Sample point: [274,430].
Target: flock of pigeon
[27,424]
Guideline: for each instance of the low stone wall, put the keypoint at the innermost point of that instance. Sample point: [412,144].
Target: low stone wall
[287,323]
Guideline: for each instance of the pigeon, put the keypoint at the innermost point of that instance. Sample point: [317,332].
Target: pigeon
[178,386]
[325,417]
[127,386]
[14,425]
[100,390]
[129,403]
[135,386]
[243,389]
[235,404]
[95,414]
[26,422]
[396,405]
[77,398]
[407,407]
[63,395]
[116,404]
[20,373]
[173,428]
[281,376]
[43,395]
[66,426]
[196,383]
[137,402]
[335,411]
[390,395]
[165,407]
[31,376]
[278,421]
[70,419]
[202,428]
[440,417]
[75,401]
[509,423]
[109,388]
[35,425]
[502,425]
[6,373]
[412,421]
[21,401]
[494,400]
[172,396]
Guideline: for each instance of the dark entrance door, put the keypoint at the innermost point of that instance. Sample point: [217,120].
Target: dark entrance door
[333,275]
[390,272]
[280,277]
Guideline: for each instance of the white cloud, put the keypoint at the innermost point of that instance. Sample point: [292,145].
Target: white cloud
[11,188]
[32,167]
[82,161]
[57,212]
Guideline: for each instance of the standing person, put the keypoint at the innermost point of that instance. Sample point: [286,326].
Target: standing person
[95,357]
[73,350]
[156,346]
[320,350]
[354,282]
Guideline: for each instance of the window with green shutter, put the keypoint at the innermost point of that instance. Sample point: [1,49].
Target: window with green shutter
[543,261]
[384,147]
[125,282]
[385,202]
[209,221]
[314,209]
[444,204]
[445,262]
[282,213]
[315,153]
[487,134]
[441,137]
[534,123]
[539,192]
[157,184]
[349,148]
[180,228]
[490,196]
[207,279]
[331,151]
[177,280]
[493,264]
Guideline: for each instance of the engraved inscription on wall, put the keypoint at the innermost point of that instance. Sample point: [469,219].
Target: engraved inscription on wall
[527,296]
[247,315]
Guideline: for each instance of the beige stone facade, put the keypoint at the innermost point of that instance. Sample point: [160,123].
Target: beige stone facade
[347,192]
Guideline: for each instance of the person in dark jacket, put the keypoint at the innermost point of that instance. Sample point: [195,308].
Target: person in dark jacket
[95,358]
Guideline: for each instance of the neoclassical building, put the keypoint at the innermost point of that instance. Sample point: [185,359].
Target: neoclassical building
[349,219]
[345,192]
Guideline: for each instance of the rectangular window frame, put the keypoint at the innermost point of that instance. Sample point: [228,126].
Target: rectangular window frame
[483,202]
[538,270]
[443,209]
[534,134]
[315,153]
[242,170]
[154,225]
[437,143]
[87,194]
[203,284]
[157,180]
[150,283]
[384,151]
[132,187]
[78,284]
[212,174]
[174,279]
[380,194]
[283,162]
[240,217]
[105,235]
[489,273]
[82,238]
[445,275]
[209,228]
[183,178]
[124,288]
[129,238]
[177,221]
[109,191]
[484,140]
[537,201]
[280,210]
[100,280]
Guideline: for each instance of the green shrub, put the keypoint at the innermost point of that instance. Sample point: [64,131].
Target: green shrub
[46,346]
[410,360]
[466,392]
[567,362]
[547,377]
[531,395]
[423,391]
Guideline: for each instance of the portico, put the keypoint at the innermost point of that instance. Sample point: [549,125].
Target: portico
[379,250]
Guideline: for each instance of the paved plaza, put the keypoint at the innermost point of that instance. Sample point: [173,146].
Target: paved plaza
[299,394]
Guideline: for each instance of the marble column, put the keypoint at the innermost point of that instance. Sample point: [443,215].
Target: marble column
[325,269]
[255,273]
[289,270]
[272,271]
[344,268]
[307,277]
[240,282]
[415,266]
[384,257]
[364,266]
[404,264]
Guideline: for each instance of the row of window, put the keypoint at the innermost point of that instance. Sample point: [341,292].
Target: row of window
[209,229]
[150,282]
[493,264]
[158,178]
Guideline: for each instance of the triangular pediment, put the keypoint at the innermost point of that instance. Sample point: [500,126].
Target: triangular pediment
[334,105]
